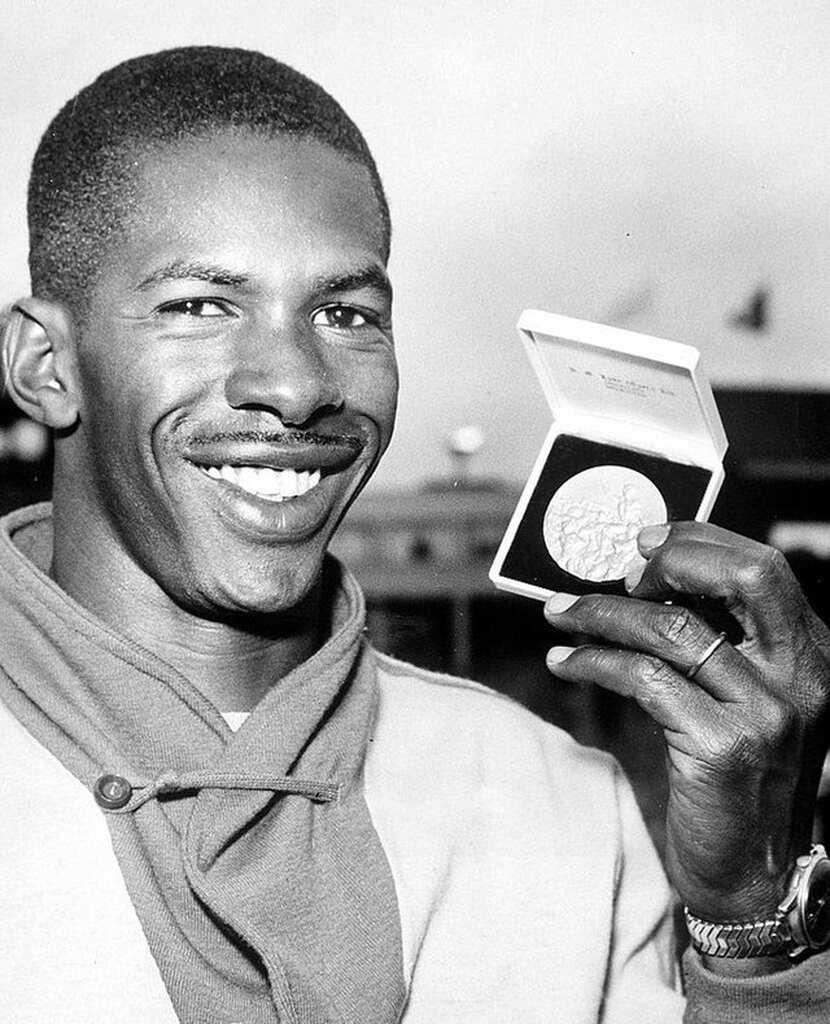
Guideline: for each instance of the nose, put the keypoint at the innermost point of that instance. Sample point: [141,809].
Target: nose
[283,372]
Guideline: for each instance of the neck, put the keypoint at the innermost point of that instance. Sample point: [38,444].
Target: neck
[233,665]
[231,660]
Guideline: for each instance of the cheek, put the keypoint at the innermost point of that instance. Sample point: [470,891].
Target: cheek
[374,393]
[129,388]
[111,378]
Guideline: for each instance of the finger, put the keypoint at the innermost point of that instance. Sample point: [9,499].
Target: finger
[663,693]
[707,533]
[728,737]
[752,580]
[672,633]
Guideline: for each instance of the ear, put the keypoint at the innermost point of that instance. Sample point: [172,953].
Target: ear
[38,361]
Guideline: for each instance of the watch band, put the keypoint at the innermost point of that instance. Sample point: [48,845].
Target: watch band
[784,932]
[739,939]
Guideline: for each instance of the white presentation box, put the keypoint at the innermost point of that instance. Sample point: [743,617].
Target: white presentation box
[636,440]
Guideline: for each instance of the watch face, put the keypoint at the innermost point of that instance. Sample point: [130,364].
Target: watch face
[816,912]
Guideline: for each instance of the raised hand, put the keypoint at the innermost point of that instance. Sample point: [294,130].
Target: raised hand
[746,723]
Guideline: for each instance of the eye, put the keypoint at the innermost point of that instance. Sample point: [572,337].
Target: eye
[343,317]
[198,309]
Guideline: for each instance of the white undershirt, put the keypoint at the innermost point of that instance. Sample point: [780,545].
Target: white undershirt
[235,718]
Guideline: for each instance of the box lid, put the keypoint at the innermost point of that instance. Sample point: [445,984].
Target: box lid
[590,370]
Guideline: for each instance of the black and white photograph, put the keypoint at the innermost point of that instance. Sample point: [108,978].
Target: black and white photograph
[414,512]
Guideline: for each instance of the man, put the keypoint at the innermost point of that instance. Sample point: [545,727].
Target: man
[209,338]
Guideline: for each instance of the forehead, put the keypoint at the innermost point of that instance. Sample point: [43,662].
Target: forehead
[246,194]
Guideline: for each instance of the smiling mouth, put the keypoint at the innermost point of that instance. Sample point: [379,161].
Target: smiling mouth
[266,482]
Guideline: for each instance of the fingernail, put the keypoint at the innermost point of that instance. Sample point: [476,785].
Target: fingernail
[652,537]
[557,603]
[635,573]
[558,654]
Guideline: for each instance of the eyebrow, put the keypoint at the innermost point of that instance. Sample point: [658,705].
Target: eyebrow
[183,270]
[370,276]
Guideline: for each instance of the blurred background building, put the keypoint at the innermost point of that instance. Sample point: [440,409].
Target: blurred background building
[652,164]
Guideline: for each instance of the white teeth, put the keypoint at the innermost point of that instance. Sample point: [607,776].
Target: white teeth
[248,479]
[288,483]
[265,482]
[269,481]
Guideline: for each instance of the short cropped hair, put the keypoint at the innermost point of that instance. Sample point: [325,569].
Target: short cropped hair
[83,178]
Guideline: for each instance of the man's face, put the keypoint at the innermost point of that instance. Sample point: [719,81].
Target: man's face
[237,373]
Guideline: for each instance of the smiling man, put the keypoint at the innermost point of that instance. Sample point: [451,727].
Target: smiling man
[220,804]
[236,381]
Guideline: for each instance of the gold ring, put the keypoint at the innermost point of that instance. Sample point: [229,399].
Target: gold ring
[707,654]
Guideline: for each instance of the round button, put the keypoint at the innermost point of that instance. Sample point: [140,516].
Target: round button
[112,792]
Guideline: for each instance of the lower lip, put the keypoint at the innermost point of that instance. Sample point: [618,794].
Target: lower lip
[286,521]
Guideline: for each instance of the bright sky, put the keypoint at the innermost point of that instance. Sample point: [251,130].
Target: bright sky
[645,162]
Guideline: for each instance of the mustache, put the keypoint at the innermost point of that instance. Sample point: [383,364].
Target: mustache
[280,437]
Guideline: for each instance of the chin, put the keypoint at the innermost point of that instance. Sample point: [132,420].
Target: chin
[257,592]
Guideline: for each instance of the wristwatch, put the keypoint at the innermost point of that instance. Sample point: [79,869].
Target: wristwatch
[801,922]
